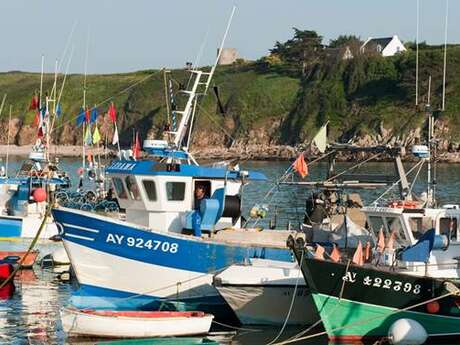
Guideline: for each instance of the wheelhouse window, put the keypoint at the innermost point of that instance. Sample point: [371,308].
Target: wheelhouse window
[150,189]
[132,187]
[175,191]
[119,188]
[448,227]
[420,225]
[395,227]
[377,224]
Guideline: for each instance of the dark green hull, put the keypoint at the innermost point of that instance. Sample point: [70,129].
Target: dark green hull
[359,302]
[349,320]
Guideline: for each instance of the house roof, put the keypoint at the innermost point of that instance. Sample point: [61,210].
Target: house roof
[383,41]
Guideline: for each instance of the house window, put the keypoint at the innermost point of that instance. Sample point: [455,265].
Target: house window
[379,48]
[448,227]
[132,187]
[175,191]
[150,189]
[119,188]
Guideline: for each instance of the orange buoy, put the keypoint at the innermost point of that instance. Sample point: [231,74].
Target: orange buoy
[433,307]
[39,194]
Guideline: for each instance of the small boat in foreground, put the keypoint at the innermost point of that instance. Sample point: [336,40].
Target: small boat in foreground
[134,324]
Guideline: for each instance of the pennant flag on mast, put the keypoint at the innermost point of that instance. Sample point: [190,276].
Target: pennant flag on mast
[58,110]
[96,136]
[320,139]
[300,166]
[115,136]
[87,115]
[88,136]
[113,113]
[391,240]
[137,147]
[319,253]
[367,252]
[93,115]
[381,242]
[34,103]
[37,118]
[358,256]
[81,117]
[335,254]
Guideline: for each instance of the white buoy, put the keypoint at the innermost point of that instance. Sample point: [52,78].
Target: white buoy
[60,257]
[407,332]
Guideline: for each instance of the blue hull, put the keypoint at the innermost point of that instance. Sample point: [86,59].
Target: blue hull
[168,251]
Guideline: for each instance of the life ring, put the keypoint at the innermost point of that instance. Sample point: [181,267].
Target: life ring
[403,204]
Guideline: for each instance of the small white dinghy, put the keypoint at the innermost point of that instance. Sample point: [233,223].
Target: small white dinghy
[134,324]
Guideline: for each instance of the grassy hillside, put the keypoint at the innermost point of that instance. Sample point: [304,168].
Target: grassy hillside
[356,96]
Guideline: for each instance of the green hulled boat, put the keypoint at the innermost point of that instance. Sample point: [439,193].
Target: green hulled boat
[362,302]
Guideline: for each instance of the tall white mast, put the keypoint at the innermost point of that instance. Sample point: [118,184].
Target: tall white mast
[416,53]
[187,112]
[445,58]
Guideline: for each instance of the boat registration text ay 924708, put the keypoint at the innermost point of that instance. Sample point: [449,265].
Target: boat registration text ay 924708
[139,242]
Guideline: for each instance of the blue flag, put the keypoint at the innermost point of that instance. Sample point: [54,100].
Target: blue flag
[93,115]
[81,117]
[58,109]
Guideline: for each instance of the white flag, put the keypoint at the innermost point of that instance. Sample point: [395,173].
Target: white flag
[320,139]
[115,136]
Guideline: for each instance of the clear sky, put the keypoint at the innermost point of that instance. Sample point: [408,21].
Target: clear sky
[129,35]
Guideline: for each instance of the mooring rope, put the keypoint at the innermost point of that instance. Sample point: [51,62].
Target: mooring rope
[299,274]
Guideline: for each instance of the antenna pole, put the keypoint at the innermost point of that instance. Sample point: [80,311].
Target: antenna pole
[8,143]
[445,58]
[220,49]
[41,83]
[84,100]
[416,53]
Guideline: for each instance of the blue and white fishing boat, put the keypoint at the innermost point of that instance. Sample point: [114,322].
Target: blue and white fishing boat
[25,196]
[168,246]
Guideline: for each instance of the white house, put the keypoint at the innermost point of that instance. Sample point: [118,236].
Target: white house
[386,46]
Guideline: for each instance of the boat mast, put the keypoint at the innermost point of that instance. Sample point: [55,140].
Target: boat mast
[84,102]
[190,107]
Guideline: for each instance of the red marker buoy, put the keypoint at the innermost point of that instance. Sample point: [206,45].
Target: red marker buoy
[39,194]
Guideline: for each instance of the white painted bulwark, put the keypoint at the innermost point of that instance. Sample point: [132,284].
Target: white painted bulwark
[385,46]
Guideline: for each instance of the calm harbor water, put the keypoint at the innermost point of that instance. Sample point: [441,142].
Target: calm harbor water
[31,316]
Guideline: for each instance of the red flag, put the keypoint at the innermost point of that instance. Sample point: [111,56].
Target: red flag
[137,147]
[90,157]
[319,253]
[300,166]
[87,115]
[34,103]
[40,133]
[113,113]
[37,118]
[335,254]
[367,251]
[358,256]
[391,240]
[381,242]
